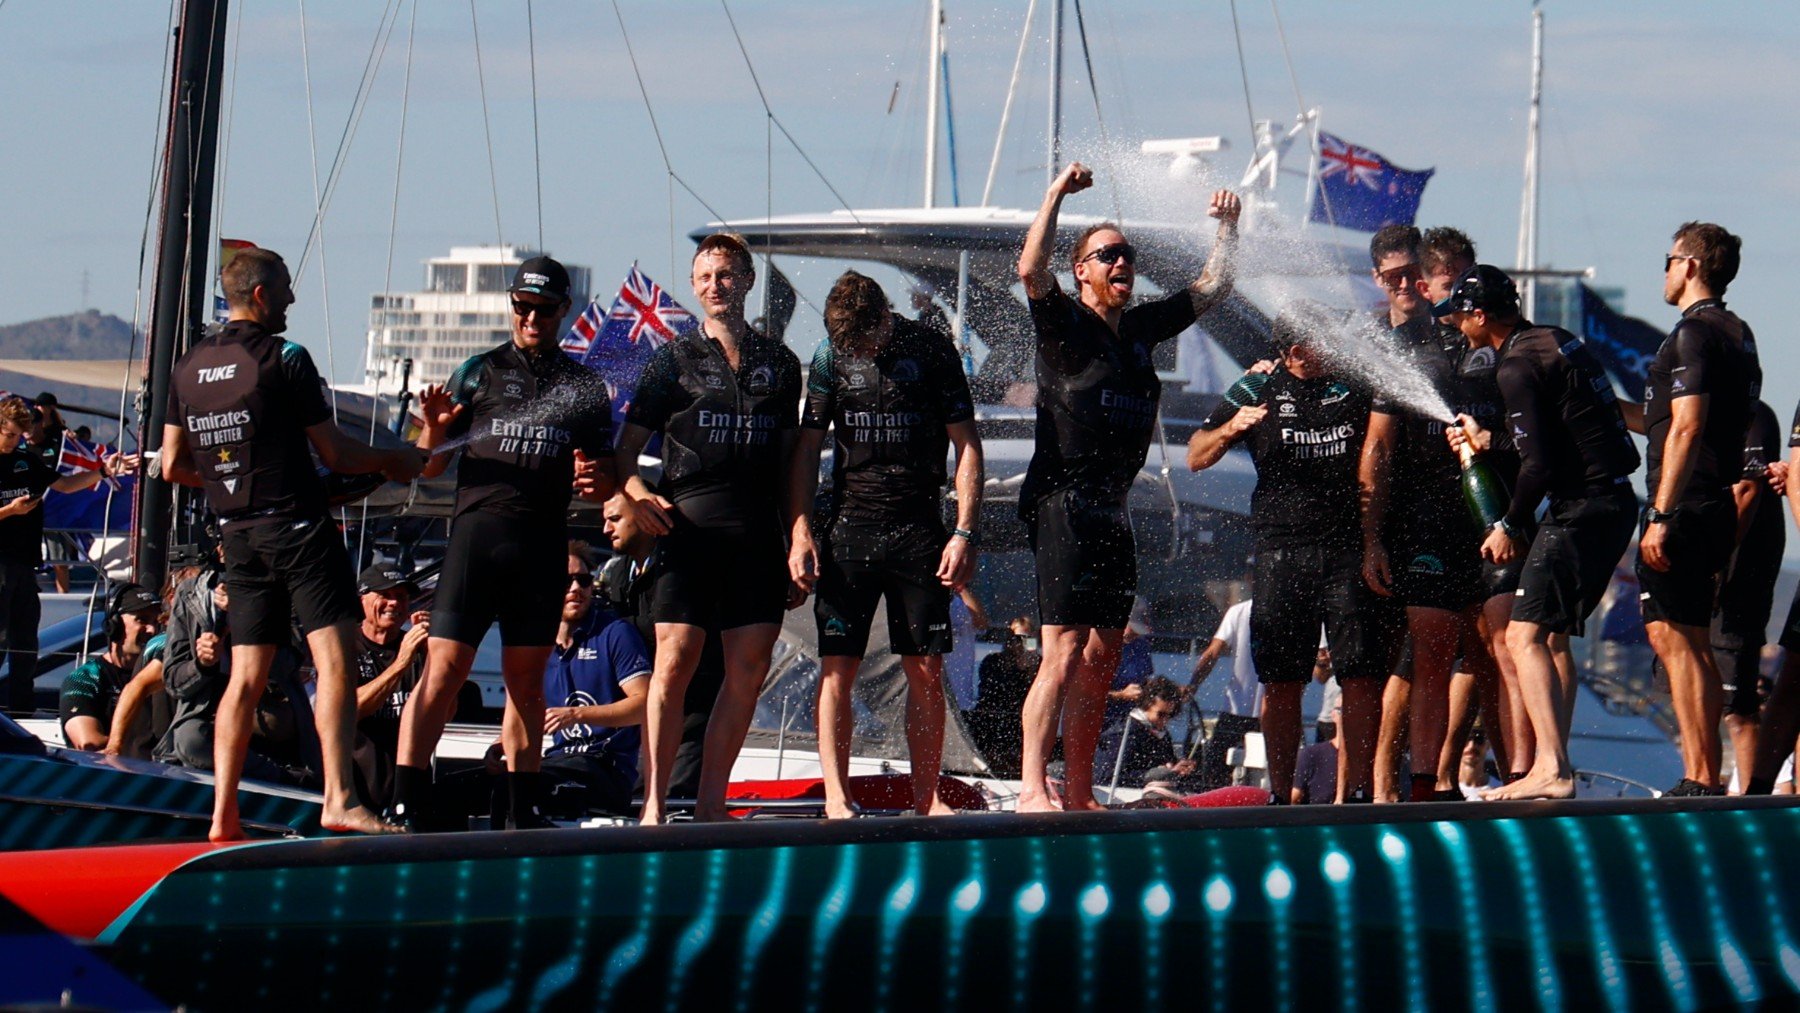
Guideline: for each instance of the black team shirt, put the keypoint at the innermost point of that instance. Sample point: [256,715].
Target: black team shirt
[246,398]
[722,428]
[525,415]
[1759,551]
[1425,473]
[1564,420]
[1711,352]
[1097,394]
[1306,452]
[23,473]
[888,415]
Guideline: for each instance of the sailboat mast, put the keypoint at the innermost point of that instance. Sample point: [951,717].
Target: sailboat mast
[933,102]
[1528,204]
[179,302]
[1056,75]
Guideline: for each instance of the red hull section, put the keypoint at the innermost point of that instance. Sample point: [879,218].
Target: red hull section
[874,791]
[80,891]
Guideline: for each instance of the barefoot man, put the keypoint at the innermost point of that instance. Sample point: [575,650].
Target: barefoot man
[1573,446]
[1096,413]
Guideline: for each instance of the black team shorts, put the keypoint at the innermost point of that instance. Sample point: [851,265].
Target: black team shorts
[1739,630]
[1434,557]
[863,561]
[277,569]
[1298,588]
[512,570]
[1571,560]
[1700,540]
[721,578]
[1086,559]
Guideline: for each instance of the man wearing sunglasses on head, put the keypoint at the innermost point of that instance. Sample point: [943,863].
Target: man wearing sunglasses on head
[1097,402]
[535,421]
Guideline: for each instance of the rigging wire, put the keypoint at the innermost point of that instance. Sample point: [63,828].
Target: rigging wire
[224,174]
[1106,148]
[1243,70]
[1287,57]
[313,151]
[537,158]
[487,129]
[1012,87]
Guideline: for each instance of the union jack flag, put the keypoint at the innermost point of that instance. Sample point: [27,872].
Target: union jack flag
[582,332]
[1359,189]
[76,456]
[643,317]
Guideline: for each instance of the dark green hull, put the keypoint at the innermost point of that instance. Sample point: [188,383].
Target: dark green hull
[1585,905]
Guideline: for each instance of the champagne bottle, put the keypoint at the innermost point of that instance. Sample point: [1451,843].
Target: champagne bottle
[1247,390]
[1483,491]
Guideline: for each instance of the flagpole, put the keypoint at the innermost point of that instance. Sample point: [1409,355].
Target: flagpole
[1528,205]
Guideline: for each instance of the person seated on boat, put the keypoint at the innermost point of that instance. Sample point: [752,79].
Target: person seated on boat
[596,683]
[91,692]
[1137,749]
[1003,679]
[389,661]
[1135,666]
[627,582]
[1315,773]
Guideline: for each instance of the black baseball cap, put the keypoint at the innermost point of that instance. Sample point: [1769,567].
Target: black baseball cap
[542,276]
[131,598]
[383,576]
[1482,287]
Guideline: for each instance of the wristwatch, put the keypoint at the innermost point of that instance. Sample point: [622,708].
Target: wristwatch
[1655,516]
[1506,529]
[966,535]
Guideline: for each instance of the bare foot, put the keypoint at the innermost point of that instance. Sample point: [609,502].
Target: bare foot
[651,816]
[834,811]
[357,820]
[1037,802]
[225,833]
[710,814]
[1550,784]
[1082,805]
[937,808]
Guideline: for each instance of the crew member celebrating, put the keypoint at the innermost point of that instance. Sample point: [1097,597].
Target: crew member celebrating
[893,395]
[245,410]
[1097,402]
[527,409]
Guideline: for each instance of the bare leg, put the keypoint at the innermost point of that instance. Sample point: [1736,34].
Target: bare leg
[1513,727]
[1463,711]
[1281,733]
[334,713]
[1697,693]
[523,739]
[1361,707]
[1780,722]
[678,647]
[925,730]
[1567,682]
[1083,710]
[1550,775]
[231,734]
[747,650]
[1742,730]
[433,700]
[837,720]
[1435,635]
[1396,706]
[1043,712]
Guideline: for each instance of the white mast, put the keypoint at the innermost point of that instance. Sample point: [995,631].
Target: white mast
[1528,205]
[1056,34]
[932,101]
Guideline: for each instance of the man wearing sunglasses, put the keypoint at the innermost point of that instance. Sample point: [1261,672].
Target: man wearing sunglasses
[527,413]
[1097,402]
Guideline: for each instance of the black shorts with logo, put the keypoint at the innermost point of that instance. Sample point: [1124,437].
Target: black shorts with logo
[1571,560]
[277,569]
[1700,539]
[507,569]
[860,563]
[1298,589]
[721,578]
[1434,557]
[1086,559]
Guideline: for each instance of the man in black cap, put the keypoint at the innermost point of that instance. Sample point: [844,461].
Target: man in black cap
[388,666]
[24,478]
[531,421]
[1573,446]
[1698,400]
[91,691]
[247,411]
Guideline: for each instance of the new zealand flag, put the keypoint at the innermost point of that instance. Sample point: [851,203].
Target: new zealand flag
[1626,345]
[643,317]
[1359,189]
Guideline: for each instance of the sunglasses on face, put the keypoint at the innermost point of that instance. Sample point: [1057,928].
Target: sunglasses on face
[1405,274]
[582,580]
[1112,254]
[1670,259]
[542,309]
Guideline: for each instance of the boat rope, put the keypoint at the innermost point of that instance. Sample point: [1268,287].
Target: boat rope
[487,130]
[537,158]
[230,118]
[1106,148]
[1287,57]
[1012,89]
[384,31]
[776,120]
[312,142]
[1243,71]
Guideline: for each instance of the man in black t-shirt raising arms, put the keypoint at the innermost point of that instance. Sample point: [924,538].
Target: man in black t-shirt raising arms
[1096,413]
[1573,446]
[893,395]
[1305,432]
[726,400]
[245,411]
[529,413]
[1698,399]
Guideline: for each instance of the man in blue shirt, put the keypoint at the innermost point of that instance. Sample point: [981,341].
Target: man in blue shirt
[596,682]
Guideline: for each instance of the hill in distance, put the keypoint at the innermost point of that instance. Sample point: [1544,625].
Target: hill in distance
[87,335]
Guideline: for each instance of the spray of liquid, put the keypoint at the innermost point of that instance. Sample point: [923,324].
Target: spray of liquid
[558,406]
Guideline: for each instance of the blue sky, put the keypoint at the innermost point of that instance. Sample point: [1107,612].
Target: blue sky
[1655,113]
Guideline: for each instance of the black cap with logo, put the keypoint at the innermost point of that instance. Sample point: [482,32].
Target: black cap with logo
[1482,287]
[131,598]
[542,276]
[383,576]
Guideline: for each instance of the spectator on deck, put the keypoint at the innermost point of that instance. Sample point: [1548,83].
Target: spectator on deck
[1005,678]
[91,692]
[1137,749]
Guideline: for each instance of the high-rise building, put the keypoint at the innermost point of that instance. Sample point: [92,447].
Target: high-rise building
[464,309]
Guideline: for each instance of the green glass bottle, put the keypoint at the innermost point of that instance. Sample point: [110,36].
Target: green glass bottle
[1483,490]
[1247,390]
